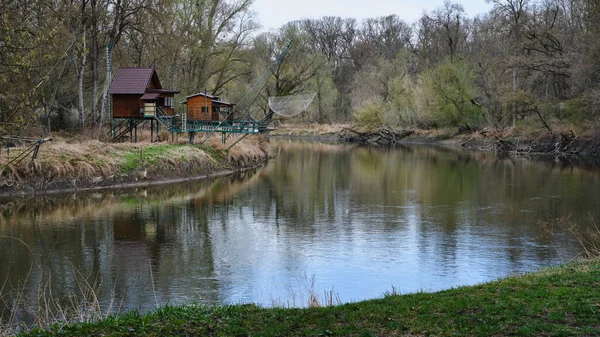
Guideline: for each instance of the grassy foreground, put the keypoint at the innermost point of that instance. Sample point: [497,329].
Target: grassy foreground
[559,301]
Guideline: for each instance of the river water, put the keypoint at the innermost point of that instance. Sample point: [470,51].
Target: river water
[355,222]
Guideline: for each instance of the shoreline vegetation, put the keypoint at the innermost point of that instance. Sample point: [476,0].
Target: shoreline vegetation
[556,301]
[75,165]
[71,165]
[511,141]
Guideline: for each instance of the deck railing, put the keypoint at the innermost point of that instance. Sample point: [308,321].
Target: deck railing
[245,127]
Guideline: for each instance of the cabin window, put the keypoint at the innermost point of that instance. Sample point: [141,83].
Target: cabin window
[169,102]
[204,109]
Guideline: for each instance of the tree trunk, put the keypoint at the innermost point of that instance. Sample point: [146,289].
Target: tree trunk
[80,80]
[320,118]
[95,60]
[104,106]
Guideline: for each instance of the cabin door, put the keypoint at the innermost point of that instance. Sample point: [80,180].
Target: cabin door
[215,113]
[149,109]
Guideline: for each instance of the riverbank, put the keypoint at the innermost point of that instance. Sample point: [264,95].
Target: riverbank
[557,301]
[63,166]
[512,141]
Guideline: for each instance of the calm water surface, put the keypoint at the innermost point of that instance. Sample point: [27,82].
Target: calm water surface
[354,220]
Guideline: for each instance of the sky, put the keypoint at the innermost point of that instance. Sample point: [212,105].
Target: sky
[273,14]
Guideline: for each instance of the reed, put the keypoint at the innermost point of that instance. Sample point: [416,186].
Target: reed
[308,130]
[23,309]
[305,295]
[587,237]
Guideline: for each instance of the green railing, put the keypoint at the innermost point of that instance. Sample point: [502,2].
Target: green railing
[241,127]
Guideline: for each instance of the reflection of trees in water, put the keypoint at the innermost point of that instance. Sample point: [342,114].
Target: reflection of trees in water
[114,243]
[455,191]
[303,185]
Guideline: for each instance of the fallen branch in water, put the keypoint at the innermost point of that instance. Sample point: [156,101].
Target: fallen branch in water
[381,136]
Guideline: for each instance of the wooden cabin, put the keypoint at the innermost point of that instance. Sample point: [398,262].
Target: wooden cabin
[205,107]
[137,93]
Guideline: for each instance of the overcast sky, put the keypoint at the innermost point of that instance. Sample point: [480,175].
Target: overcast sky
[273,14]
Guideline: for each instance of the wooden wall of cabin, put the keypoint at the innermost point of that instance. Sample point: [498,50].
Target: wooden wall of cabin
[125,106]
[194,109]
[153,83]
[170,111]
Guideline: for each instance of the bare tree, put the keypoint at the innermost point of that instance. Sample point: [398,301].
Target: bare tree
[515,13]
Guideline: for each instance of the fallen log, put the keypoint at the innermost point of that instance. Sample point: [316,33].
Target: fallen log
[381,136]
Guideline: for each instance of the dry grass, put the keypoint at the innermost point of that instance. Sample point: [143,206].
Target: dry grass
[587,237]
[248,152]
[71,163]
[306,296]
[42,308]
[311,129]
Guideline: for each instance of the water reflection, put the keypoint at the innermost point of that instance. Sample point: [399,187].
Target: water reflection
[360,219]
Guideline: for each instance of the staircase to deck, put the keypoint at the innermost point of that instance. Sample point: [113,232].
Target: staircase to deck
[122,131]
[163,119]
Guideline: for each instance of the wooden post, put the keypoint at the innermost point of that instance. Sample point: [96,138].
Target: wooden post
[152,131]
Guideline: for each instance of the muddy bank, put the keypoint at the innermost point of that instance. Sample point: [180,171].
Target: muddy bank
[558,144]
[91,165]
[567,145]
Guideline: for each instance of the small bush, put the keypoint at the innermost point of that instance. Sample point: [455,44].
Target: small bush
[370,115]
[589,106]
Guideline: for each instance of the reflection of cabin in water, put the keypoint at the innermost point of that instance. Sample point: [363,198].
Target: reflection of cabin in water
[138,96]
[205,107]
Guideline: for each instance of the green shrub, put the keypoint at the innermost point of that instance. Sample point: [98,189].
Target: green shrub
[370,115]
[447,95]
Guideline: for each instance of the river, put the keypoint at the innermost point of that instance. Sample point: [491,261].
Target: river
[341,222]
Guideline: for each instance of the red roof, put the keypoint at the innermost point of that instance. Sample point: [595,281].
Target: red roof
[133,81]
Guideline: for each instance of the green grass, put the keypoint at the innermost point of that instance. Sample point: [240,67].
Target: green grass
[145,157]
[560,301]
[150,156]
[215,154]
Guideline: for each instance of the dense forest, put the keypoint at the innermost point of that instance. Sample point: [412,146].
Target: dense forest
[532,63]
